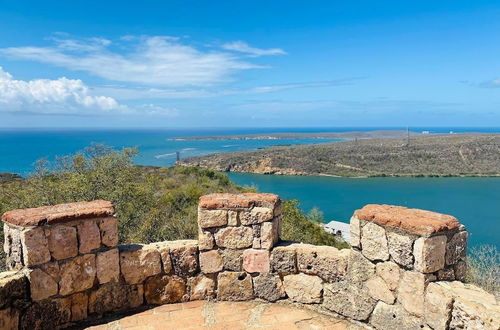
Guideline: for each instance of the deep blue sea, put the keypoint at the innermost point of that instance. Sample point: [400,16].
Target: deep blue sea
[475,201]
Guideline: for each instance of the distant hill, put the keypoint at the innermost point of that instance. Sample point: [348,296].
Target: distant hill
[432,155]
[4,176]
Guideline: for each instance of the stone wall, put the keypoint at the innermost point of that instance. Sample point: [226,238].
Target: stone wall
[404,269]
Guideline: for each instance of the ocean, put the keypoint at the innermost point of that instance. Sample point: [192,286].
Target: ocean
[473,200]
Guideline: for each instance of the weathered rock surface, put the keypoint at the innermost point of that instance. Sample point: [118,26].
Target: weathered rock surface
[233,259]
[359,269]
[256,215]
[77,274]
[201,287]
[205,240]
[108,266]
[35,247]
[327,262]
[212,218]
[164,289]
[401,248]
[233,218]
[456,248]
[234,237]
[211,262]
[350,300]
[115,297]
[139,262]
[109,231]
[411,291]
[166,261]
[390,273]
[89,236]
[62,241]
[269,233]
[79,306]
[394,317]
[374,242]
[184,255]
[268,287]
[429,253]
[303,288]
[9,319]
[234,286]
[42,285]
[355,231]
[46,314]
[13,285]
[256,261]
[379,290]
[238,201]
[284,260]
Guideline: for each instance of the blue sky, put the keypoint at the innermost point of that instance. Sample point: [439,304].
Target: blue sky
[249,63]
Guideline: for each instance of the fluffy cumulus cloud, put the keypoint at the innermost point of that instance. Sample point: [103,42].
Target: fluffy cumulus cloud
[157,61]
[63,96]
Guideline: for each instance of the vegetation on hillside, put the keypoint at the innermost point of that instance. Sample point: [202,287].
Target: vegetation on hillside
[484,268]
[437,155]
[152,204]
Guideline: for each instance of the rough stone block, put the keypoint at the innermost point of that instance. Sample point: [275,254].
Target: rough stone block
[53,269]
[211,262]
[112,297]
[77,274]
[205,240]
[374,242]
[256,261]
[256,215]
[269,234]
[13,285]
[89,236]
[429,253]
[401,248]
[236,286]
[438,305]
[137,262]
[355,231]
[474,314]
[164,289]
[35,247]
[411,291]
[135,295]
[284,260]
[13,248]
[109,231]
[238,201]
[234,237]
[349,299]
[446,274]
[166,261]
[327,262]
[108,266]
[184,256]
[456,248]
[359,269]
[62,241]
[460,269]
[212,218]
[379,290]
[42,285]
[46,314]
[307,289]
[233,259]
[233,219]
[394,317]
[9,319]
[268,287]
[390,273]
[201,287]
[79,306]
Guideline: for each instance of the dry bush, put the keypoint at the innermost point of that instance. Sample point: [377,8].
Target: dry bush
[484,268]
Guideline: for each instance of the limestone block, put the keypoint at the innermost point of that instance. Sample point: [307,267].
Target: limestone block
[62,241]
[394,317]
[9,319]
[401,248]
[379,290]
[256,215]
[460,269]
[212,218]
[256,261]
[429,253]
[114,297]
[201,287]
[205,240]
[13,285]
[438,305]
[234,237]
[89,236]
[79,306]
[184,256]
[474,315]
[456,248]
[284,260]
[233,259]
[109,231]
[164,249]
[446,274]
[35,247]
[236,286]
[349,299]
[327,262]
[390,273]
[359,269]
[302,288]
[46,314]
[108,266]
[42,285]
[77,274]
[269,234]
[374,244]
[211,262]
[52,269]
[355,231]
[411,291]
[137,262]
[13,248]
[233,219]
[164,289]
[268,287]
[256,243]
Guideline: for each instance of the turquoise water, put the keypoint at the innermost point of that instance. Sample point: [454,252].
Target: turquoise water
[474,201]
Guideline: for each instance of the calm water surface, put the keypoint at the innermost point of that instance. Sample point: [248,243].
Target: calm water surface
[474,201]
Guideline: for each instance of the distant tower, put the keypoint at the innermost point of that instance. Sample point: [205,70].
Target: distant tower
[177,156]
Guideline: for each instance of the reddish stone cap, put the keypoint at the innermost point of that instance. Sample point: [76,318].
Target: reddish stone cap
[58,213]
[417,221]
[245,200]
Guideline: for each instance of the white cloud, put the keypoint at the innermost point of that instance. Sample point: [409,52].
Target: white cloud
[63,96]
[156,61]
[243,47]
[494,83]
